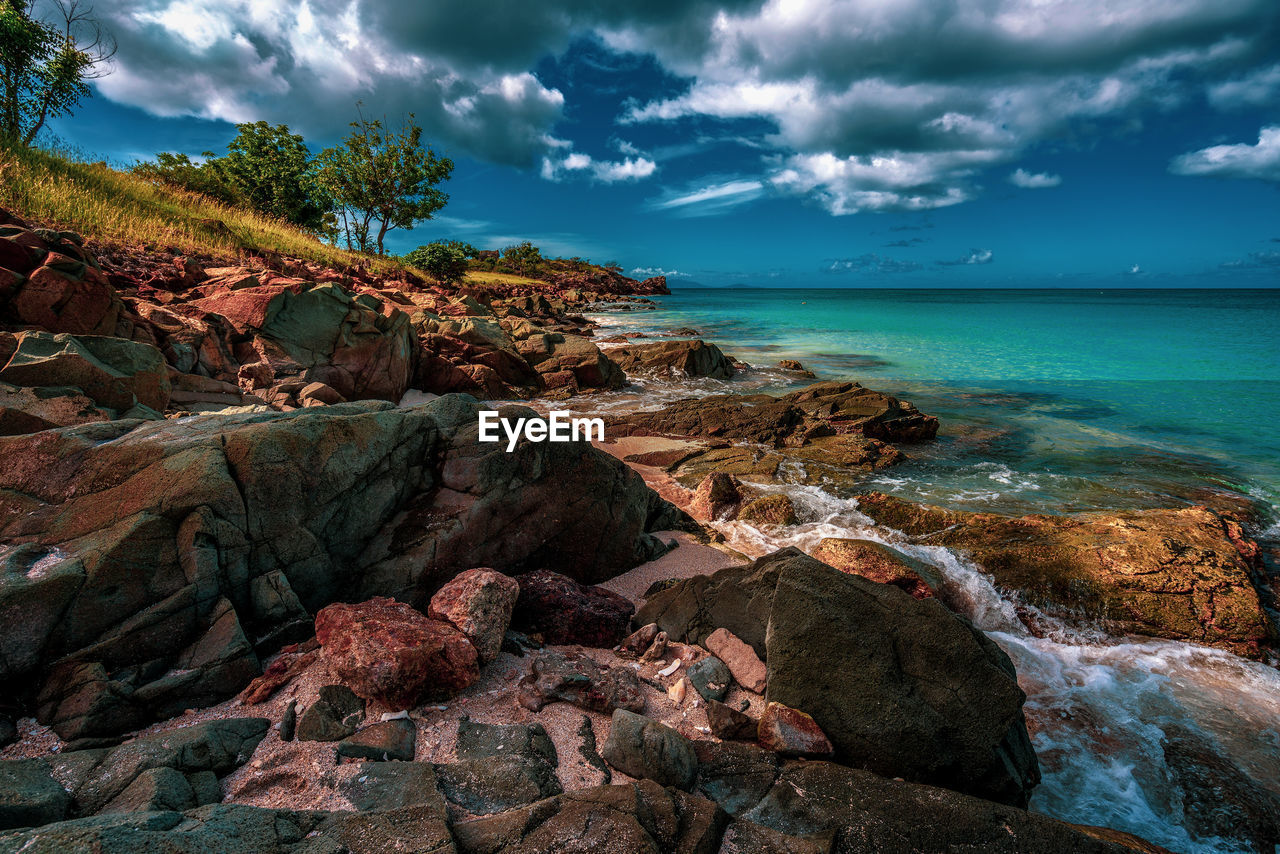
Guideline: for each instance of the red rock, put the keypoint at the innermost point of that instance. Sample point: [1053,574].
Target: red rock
[579,680]
[58,302]
[565,612]
[478,603]
[877,562]
[747,668]
[278,674]
[717,497]
[384,650]
[791,732]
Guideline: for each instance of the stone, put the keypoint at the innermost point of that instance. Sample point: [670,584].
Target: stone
[747,837]
[717,497]
[289,721]
[736,776]
[113,372]
[640,816]
[877,562]
[681,358]
[479,603]
[740,659]
[727,722]
[29,794]
[496,783]
[790,732]
[155,789]
[334,715]
[279,673]
[709,677]
[384,786]
[385,741]
[566,612]
[1183,574]
[775,509]
[579,680]
[30,410]
[53,299]
[646,749]
[527,741]
[636,643]
[386,651]
[8,730]
[554,352]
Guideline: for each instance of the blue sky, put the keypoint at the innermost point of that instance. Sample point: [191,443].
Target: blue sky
[843,143]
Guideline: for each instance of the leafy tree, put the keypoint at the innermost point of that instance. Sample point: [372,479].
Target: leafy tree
[523,258]
[382,179]
[444,260]
[273,169]
[44,64]
[207,178]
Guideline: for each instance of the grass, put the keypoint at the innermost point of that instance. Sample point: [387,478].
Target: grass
[487,279]
[120,208]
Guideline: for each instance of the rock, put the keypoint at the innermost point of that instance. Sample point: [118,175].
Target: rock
[526,741]
[478,603]
[791,732]
[155,789]
[8,730]
[681,358]
[717,497]
[319,394]
[112,372]
[646,749]
[62,298]
[333,716]
[80,701]
[581,681]
[30,410]
[29,795]
[747,837]
[496,783]
[278,674]
[741,660]
[876,562]
[735,776]
[386,741]
[635,644]
[386,651]
[634,817]
[554,352]
[957,718]
[710,678]
[729,723]
[1166,573]
[775,509]
[864,812]
[289,721]
[587,749]
[391,785]
[566,612]
[795,367]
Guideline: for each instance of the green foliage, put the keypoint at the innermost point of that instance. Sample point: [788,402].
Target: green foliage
[44,65]
[382,179]
[179,170]
[523,258]
[444,260]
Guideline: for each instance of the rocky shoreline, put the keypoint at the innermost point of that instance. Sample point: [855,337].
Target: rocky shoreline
[264,589]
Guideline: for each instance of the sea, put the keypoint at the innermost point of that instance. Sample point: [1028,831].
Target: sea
[1050,401]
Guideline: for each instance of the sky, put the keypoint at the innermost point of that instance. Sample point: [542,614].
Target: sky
[836,143]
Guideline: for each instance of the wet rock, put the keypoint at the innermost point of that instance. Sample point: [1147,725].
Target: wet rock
[385,650]
[740,659]
[385,741]
[566,612]
[1167,573]
[637,817]
[776,509]
[681,358]
[877,562]
[718,496]
[29,794]
[791,732]
[646,749]
[796,368]
[581,681]
[710,678]
[727,722]
[334,715]
[1219,798]
[735,776]
[478,603]
[496,783]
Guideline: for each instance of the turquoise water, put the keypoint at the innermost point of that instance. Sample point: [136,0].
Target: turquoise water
[1050,400]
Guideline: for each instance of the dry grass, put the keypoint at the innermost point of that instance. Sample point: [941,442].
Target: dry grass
[116,207]
[488,279]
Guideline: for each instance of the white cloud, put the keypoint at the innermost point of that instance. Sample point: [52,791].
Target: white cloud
[1256,89]
[974,258]
[604,171]
[1260,161]
[1034,180]
[710,199]
[648,272]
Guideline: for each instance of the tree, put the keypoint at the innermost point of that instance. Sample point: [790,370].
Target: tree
[444,260]
[207,178]
[382,179]
[523,258]
[273,169]
[44,64]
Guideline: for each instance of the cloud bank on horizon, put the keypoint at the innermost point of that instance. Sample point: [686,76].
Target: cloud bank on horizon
[855,105]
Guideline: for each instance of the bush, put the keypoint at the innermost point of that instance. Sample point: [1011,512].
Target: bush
[444,260]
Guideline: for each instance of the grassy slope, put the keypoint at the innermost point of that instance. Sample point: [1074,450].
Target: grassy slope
[119,208]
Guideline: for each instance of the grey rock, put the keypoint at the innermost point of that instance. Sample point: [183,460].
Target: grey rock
[333,716]
[710,678]
[153,790]
[392,785]
[29,795]
[729,723]
[480,740]
[734,775]
[747,837]
[646,749]
[289,721]
[394,740]
[496,783]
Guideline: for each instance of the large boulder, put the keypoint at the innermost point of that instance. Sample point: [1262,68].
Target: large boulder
[566,612]
[113,372]
[55,284]
[554,353]
[1184,574]
[900,686]
[683,358]
[478,603]
[138,547]
[386,651]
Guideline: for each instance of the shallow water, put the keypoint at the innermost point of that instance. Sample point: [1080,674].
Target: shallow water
[1050,401]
